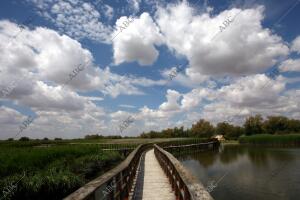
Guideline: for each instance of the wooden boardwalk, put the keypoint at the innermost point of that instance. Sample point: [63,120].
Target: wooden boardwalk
[152,183]
[140,176]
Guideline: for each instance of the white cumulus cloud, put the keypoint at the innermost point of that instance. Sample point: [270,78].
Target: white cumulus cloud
[137,42]
[245,47]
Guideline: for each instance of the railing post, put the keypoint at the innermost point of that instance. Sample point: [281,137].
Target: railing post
[119,185]
[126,178]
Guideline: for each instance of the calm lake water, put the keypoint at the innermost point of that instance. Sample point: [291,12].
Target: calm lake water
[244,172]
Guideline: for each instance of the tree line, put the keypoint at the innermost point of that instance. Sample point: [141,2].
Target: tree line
[96,136]
[252,125]
[205,129]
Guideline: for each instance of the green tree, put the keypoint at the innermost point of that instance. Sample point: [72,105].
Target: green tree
[167,133]
[182,132]
[236,132]
[223,128]
[94,137]
[294,126]
[24,139]
[253,125]
[229,131]
[176,132]
[276,124]
[202,129]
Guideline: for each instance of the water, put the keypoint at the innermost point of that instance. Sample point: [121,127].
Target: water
[237,172]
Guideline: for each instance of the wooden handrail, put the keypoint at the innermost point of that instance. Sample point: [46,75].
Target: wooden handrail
[191,145]
[184,184]
[114,184]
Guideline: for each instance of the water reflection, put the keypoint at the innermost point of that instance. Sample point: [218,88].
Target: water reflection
[253,172]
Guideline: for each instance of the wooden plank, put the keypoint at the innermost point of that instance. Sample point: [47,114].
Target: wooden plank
[156,184]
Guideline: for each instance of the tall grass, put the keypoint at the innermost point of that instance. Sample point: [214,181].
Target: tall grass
[51,172]
[273,140]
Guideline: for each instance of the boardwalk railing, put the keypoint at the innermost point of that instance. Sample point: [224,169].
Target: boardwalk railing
[119,183]
[194,142]
[185,186]
[208,145]
[114,184]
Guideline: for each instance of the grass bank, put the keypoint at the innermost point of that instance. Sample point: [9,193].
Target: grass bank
[271,140]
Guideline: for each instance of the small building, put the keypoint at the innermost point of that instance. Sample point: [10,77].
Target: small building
[219,137]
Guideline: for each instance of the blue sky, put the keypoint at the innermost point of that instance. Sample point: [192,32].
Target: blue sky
[224,50]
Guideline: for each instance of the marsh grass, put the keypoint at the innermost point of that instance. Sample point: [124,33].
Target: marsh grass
[51,172]
[272,140]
